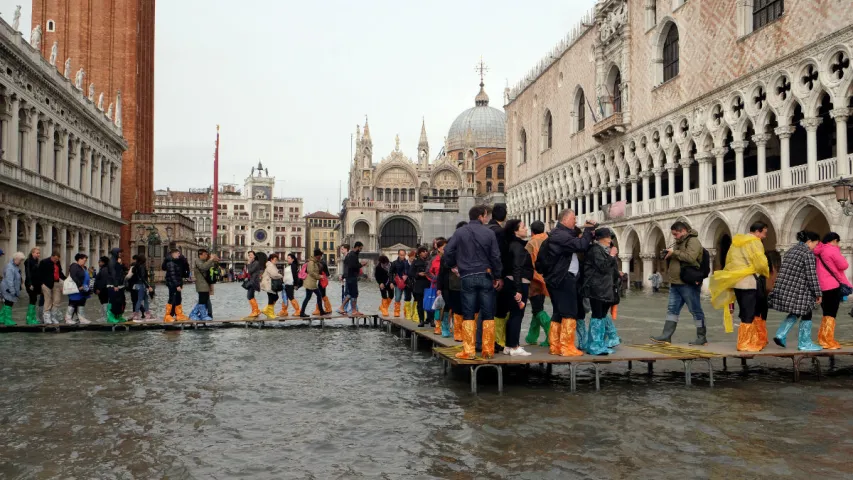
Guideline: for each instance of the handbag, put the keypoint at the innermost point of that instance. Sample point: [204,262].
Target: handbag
[247,284]
[324,281]
[69,287]
[429,297]
[846,290]
[277,284]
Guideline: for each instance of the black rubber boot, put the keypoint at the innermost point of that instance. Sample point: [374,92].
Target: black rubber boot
[700,337]
[668,330]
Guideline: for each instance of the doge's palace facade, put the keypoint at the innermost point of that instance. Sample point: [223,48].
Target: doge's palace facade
[718,113]
[60,166]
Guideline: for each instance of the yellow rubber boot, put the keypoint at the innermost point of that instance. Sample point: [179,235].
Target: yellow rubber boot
[269,311]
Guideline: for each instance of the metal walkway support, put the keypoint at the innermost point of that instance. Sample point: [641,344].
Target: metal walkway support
[476,369]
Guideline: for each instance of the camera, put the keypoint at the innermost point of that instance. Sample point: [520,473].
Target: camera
[663,254]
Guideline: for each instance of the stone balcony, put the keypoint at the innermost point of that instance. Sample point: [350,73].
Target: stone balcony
[608,127]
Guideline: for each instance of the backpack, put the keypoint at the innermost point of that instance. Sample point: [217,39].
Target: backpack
[543,259]
[695,275]
[303,271]
[705,264]
[213,275]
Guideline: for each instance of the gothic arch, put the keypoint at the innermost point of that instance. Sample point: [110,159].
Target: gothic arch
[579,110]
[804,212]
[630,236]
[654,234]
[385,223]
[385,166]
[711,226]
[446,168]
[658,40]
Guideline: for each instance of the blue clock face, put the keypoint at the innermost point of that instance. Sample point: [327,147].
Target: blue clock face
[260,235]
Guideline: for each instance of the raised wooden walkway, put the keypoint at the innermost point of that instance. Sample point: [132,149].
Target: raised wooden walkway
[446,349]
[260,322]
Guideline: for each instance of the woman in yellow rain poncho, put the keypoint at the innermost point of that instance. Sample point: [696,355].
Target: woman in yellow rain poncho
[739,280]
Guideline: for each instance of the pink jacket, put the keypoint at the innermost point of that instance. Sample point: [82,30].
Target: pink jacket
[832,257]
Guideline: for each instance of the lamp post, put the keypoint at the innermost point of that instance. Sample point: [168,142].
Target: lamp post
[844,195]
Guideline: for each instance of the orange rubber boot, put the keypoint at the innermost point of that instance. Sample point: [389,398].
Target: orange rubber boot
[748,338]
[458,334]
[283,311]
[437,329]
[255,310]
[488,338]
[327,305]
[554,334]
[168,318]
[397,309]
[383,307]
[179,314]
[295,305]
[568,329]
[826,334]
[469,347]
[761,326]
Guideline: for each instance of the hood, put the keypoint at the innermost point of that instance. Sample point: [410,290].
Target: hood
[822,248]
[690,233]
[742,239]
[114,253]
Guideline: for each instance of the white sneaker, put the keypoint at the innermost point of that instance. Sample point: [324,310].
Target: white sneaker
[520,352]
[507,351]
[82,321]
[69,320]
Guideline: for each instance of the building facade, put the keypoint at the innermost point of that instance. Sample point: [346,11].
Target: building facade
[195,204]
[154,236]
[321,230]
[716,113]
[255,219]
[111,43]
[60,160]
[401,203]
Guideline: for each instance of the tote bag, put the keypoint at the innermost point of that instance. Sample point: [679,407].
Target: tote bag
[69,287]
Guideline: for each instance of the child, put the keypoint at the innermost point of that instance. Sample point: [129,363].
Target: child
[174,268]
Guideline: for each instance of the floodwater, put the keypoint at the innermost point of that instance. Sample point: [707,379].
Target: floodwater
[298,402]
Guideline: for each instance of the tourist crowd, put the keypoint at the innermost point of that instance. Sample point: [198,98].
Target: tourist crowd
[476,285]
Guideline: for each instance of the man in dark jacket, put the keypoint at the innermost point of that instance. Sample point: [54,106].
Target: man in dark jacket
[115,287]
[400,273]
[352,269]
[50,276]
[102,279]
[33,284]
[561,281]
[473,250]
[503,301]
[174,268]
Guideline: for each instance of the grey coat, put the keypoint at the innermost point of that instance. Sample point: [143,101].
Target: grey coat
[10,288]
[200,274]
[796,287]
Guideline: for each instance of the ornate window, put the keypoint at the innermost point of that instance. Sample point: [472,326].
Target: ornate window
[488,187]
[501,187]
[670,54]
[523,141]
[51,26]
[460,156]
[398,230]
[580,108]
[766,11]
[617,92]
[489,172]
[548,127]
[501,169]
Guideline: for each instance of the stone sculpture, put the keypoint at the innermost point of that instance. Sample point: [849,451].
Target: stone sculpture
[78,79]
[101,102]
[35,37]
[67,73]
[91,92]
[54,50]
[16,20]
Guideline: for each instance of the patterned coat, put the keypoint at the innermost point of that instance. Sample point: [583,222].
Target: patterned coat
[796,286]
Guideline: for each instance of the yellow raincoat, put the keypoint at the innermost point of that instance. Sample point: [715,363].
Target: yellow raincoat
[745,248]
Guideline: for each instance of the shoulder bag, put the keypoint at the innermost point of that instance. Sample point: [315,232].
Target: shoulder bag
[846,290]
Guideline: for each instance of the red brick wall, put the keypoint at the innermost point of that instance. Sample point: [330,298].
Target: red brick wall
[113,40]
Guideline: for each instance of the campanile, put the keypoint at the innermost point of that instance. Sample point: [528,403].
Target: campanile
[113,41]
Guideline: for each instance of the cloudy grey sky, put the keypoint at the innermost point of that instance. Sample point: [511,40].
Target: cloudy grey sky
[288,81]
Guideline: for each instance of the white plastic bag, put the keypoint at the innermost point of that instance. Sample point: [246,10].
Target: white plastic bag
[69,287]
[438,304]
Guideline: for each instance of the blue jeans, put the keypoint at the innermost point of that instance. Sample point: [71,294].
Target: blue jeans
[685,294]
[478,295]
[405,293]
[141,298]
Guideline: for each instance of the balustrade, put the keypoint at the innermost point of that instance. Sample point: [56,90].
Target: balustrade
[750,185]
[774,180]
[799,175]
[826,169]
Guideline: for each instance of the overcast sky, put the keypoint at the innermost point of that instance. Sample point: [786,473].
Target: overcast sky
[288,81]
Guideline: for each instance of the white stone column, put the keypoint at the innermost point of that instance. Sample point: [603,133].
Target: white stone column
[634,199]
[86,169]
[25,130]
[840,115]
[761,145]
[623,190]
[75,243]
[587,206]
[10,132]
[704,178]
[784,133]
[658,187]
[109,176]
[115,187]
[64,176]
[63,245]
[626,265]
[670,170]
[595,204]
[719,153]
[648,268]
[96,175]
[739,148]
[12,244]
[811,124]
[87,238]
[646,194]
[613,192]
[685,179]
[32,240]
[48,240]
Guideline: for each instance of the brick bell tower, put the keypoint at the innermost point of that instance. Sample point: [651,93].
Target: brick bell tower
[113,41]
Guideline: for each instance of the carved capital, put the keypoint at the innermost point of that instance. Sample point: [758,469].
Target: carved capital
[704,157]
[720,152]
[671,167]
[785,131]
[840,114]
[811,124]
[646,174]
[761,139]
[739,147]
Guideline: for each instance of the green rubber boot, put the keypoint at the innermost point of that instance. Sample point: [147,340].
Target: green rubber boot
[111,318]
[545,321]
[533,332]
[32,319]
[6,316]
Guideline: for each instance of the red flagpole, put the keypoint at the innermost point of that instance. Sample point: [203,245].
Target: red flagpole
[215,238]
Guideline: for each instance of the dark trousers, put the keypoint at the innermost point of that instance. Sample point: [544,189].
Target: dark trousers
[564,298]
[204,299]
[288,290]
[419,302]
[134,296]
[831,301]
[104,296]
[34,296]
[174,298]
[537,303]
[516,314]
[272,298]
[599,308]
[8,303]
[387,293]
[747,301]
[77,305]
[117,301]
[308,294]
[455,301]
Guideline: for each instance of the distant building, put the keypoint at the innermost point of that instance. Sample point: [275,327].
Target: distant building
[60,160]
[196,204]
[321,230]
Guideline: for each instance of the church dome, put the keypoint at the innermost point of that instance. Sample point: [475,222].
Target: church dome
[487,125]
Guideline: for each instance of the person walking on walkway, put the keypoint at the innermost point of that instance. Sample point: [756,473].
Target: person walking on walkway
[797,291]
[563,267]
[420,273]
[291,284]
[746,269]
[538,292]
[454,287]
[503,301]
[685,254]
[312,283]
[382,275]
[516,283]
[115,287]
[51,277]
[32,283]
[10,288]
[271,273]
[600,282]
[439,317]
[345,248]
[102,279]
[203,267]
[252,283]
[474,251]
[656,279]
[173,265]
[79,274]
[352,266]
[400,273]
[831,274]
[139,283]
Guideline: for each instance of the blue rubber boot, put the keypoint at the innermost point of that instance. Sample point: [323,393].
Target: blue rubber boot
[782,333]
[596,344]
[804,342]
[582,334]
[611,336]
[445,326]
